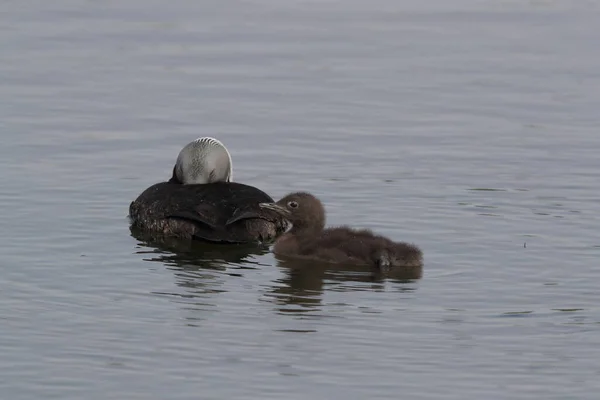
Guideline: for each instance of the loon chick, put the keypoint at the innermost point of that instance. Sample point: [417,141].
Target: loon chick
[200,202]
[309,239]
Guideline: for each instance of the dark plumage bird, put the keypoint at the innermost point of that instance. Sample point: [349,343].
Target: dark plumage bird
[200,201]
[309,239]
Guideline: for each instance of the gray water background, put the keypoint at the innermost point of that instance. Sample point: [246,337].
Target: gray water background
[396,113]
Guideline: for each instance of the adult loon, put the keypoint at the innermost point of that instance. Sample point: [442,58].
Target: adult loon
[200,201]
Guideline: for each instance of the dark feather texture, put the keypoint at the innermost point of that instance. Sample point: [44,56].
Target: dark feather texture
[216,212]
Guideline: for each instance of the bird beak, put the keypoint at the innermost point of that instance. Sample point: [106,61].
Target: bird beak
[275,207]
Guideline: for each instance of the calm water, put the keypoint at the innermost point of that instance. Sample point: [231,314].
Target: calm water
[398,114]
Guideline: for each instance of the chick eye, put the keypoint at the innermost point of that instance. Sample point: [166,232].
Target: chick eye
[292,204]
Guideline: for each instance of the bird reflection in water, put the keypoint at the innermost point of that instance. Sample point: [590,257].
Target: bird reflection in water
[196,255]
[199,267]
[301,289]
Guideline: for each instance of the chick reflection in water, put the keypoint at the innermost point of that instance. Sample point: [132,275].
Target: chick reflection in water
[199,201]
[309,239]
[304,282]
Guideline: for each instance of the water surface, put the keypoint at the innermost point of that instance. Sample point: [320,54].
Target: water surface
[468,127]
